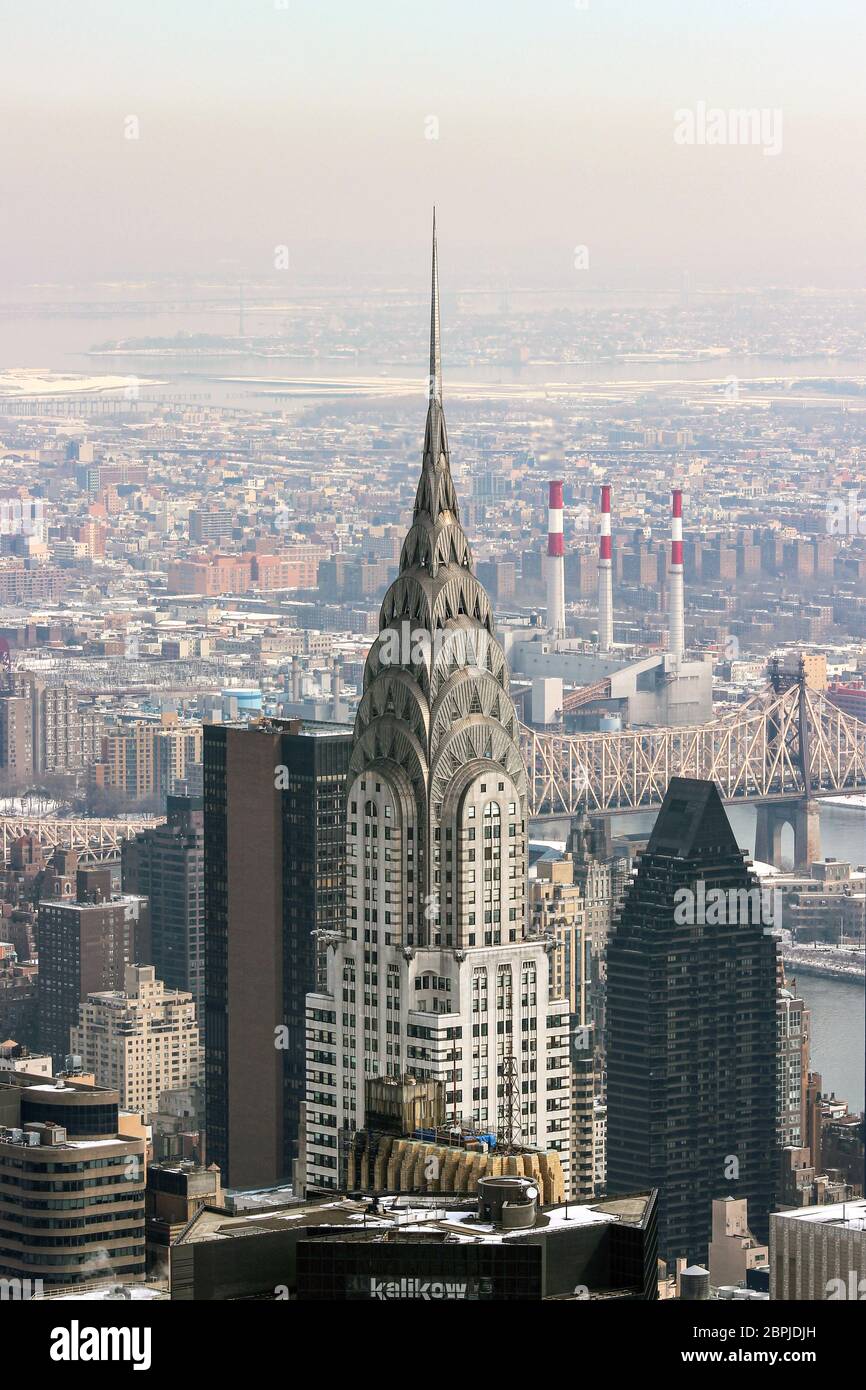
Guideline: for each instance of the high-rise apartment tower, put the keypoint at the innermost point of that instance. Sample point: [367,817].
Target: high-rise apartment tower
[691,1026]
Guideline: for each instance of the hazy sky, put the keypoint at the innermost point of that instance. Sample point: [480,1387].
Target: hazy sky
[304,124]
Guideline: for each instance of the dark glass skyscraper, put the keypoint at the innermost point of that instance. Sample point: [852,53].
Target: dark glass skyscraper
[691,1052]
[275,828]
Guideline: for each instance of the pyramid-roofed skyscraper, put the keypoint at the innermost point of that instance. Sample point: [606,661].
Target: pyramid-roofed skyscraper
[433,975]
[691,1026]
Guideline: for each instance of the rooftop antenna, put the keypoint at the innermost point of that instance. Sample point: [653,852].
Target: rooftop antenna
[454,1083]
[509,1110]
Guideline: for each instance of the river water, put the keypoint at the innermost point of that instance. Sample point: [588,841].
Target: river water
[838,1010]
[61,342]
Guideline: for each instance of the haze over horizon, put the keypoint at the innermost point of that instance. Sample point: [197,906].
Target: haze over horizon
[260,127]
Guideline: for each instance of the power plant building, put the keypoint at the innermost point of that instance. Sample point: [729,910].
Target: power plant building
[652,689]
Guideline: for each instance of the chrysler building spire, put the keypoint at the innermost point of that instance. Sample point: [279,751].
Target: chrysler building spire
[435,501]
[435,945]
[436,536]
[434,387]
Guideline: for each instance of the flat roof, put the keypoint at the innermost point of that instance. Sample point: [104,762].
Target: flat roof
[115,1292]
[850,1215]
[308,728]
[444,1217]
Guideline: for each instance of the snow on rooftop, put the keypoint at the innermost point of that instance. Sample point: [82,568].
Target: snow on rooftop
[851,1215]
[765,870]
[134,1293]
[409,1214]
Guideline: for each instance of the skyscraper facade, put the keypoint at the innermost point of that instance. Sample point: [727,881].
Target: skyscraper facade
[140,1041]
[432,973]
[72,1183]
[85,946]
[274,830]
[557,911]
[55,722]
[166,865]
[16,739]
[691,1027]
[794,1034]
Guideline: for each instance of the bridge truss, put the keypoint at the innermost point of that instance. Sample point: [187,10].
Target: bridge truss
[94,840]
[758,753]
[779,744]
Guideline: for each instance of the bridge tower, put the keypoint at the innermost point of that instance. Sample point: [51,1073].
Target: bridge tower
[801,813]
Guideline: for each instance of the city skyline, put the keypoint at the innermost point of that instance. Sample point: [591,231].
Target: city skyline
[432,858]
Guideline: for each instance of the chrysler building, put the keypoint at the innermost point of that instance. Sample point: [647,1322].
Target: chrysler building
[434,974]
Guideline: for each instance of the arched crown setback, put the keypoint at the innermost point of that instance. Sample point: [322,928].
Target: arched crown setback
[436,694]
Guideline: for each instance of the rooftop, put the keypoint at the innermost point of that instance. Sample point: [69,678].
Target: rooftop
[850,1215]
[305,728]
[443,1218]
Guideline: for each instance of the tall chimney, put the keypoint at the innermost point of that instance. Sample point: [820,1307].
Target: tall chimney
[605,576]
[555,561]
[296,680]
[676,614]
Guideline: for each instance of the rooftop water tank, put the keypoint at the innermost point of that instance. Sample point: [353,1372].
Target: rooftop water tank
[694,1284]
[249,699]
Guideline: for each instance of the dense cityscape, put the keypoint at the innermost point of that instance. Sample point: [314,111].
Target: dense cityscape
[432,856]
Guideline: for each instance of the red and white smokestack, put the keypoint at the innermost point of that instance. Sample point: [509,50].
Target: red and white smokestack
[676,603]
[555,561]
[605,576]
